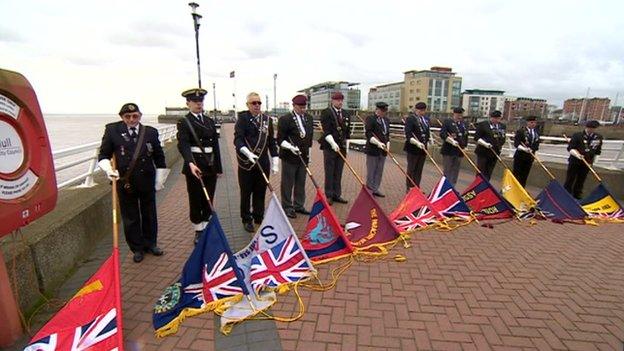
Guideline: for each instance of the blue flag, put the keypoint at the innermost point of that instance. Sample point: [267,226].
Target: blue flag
[557,204]
[209,279]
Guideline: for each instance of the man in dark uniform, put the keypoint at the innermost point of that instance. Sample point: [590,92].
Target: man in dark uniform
[527,142]
[455,136]
[377,130]
[141,164]
[294,135]
[254,141]
[586,144]
[198,143]
[490,136]
[336,124]
[417,135]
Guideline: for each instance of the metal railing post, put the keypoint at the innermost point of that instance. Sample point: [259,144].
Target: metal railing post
[88,182]
[618,157]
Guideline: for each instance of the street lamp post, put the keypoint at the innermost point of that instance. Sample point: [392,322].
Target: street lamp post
[275,91]
[196,18]
[214,99]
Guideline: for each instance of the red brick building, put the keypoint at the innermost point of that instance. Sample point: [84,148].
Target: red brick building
[523,106]
[587,109]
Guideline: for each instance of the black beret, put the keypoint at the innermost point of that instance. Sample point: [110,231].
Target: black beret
[337,96]
[592,124]
[381,105]
[129,107]
[421,106]
[531,118]
[458,110]
[496,113]
[300,100]
[195,94]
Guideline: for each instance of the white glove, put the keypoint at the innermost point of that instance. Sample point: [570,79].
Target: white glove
[160,179]
[575,153]
[274,165]
[377,143]
[294,149]
[105,165]
[250,155]
[416,142]
[388,146]
[451,141]
[524,148]
[332,143]
[484,143]
[432,141]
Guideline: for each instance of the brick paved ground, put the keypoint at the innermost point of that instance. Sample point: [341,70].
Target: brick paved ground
[513,287]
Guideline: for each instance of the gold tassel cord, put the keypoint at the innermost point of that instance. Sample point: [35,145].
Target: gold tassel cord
[336,273]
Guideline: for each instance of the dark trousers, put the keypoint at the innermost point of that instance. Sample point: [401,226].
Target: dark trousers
[575,178]
[333,165]
[415,164]
[522,168]
[451,166]
[293,183]
[138,213]
[486,166]
[199,210]
[252,191]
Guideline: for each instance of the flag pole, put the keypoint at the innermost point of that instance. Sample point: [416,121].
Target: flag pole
[350,168]
[316,186]
[540,163]
[114,206]
[392,157]
[585,161]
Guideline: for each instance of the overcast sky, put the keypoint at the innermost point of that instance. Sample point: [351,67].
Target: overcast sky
[92,56]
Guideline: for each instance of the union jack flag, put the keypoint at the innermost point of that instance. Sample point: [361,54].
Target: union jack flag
[282,264]
[447,201]
[417,219]
[86,337]
[221,281]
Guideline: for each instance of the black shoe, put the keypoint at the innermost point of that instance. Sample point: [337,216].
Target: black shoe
[198,234]
[340,200]
[249,227]
[291,214]
[138,257]
[303,211]
[156,251]
[379,194]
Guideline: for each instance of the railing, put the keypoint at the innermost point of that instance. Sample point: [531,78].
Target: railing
[166,134]
[551,149]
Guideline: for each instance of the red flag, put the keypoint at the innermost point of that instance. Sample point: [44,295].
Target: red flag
[91,320]
[485,201]
[368,225]
[324,240]
[414,212]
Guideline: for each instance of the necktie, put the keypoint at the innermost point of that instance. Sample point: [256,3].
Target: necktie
[340,115]
[133,133]
[200,118]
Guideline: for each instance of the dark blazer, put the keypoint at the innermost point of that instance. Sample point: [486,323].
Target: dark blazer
[331,124]
[287,129]
[258,137]
[208,137]
[116,140]
[456,130]
[375,128]
[415,128]
[588,145]
[523,136]
[497,139]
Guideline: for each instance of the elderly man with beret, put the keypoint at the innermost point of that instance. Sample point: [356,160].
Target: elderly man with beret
[455,137]
[490,137]
[417,136]
[140,168]
[336,124]
[294,136]
[377,130]
[583,145]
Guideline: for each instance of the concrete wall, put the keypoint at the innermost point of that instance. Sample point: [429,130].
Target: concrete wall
[45,253]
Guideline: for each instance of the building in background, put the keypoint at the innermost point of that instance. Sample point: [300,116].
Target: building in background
[282,109]
[319,95]
[481,102]
[617,114]
[438,87]
[388,93]
[524,106]
[586,109]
